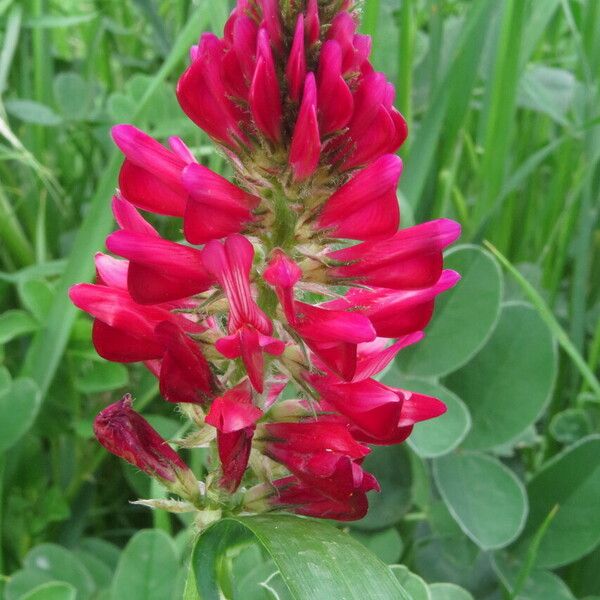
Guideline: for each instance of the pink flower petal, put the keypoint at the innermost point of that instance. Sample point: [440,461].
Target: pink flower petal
[265,97]
[305,148]
[366,207]
[295,70]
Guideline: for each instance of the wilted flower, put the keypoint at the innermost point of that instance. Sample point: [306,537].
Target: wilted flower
[295,274]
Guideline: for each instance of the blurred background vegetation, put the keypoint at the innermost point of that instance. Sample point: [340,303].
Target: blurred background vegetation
[503,103]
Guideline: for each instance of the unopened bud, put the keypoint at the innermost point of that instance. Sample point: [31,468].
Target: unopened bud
[129,436]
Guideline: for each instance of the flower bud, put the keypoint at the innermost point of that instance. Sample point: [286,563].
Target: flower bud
[129,436]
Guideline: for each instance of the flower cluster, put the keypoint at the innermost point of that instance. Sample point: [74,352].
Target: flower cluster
[295,275]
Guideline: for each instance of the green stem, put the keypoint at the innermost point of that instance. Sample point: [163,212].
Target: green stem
[405,60]
[12,234]
[2,465]
[160,518]
[285,220]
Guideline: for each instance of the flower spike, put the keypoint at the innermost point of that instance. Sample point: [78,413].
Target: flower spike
[284,290]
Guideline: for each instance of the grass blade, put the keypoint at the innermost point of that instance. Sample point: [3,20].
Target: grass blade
[454,91]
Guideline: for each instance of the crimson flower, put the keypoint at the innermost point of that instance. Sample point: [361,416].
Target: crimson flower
[294,275]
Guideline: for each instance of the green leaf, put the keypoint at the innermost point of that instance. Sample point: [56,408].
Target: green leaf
[570,425]
[101,376]
[19,406]
[448,591]
[415,587]
[464,317]
[101,573]
[30,111]
[54,21]
[386,544]
[509,383]
[250,569]
[391,467]
[14,323]
[317,561]
[148,567]
[547,315]
[24,581]
[5,379]
[105,551]
[548,90]
[72,95]
[436,437]
[37,296]
[120,106]
[54,590]
[539,585]
[570,480]
[275,587]
[485,497]
[62,565]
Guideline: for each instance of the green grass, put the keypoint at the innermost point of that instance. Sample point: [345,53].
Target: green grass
[503,104]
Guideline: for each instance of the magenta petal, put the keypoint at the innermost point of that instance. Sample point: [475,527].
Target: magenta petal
[305,148]
[368,100]
[271,345]
[144,151]
[116,308]
[315,436]
[311,24]
[336,103]
[275,387]
[265,97]
[325,325]
[119,345]
[252,356]
[146,191]
[244,45]
[366,207]
[282,271]
[229,346]
[159,254]
[110,271]
[370,405]
[397,313]
[418,407]
[160,270]
[129,218]
[338,357]
[410,259]
[234,453]
[272,22]
[234,410]
[371,363]
[185,375]
[181,150]
[295,70]
[216,207]
[201,94]
[230,263]
[151,175]
[342,30]
[283,274]
[207,186]
[373,143]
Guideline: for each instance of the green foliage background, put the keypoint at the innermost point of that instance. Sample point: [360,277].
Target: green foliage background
[501,495]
